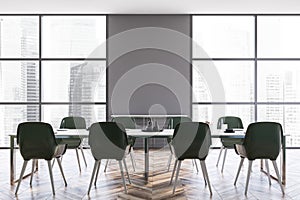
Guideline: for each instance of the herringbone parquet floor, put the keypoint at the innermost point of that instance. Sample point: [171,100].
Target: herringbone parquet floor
[191,184]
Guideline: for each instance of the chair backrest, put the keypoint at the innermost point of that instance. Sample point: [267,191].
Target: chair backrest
[127,122]
[231,121]
[191,140]
[73,123]
[108,140]
[174,121]
[36,140]
[263,140]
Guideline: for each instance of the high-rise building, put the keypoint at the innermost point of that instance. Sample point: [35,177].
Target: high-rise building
[84,80]
[30,74]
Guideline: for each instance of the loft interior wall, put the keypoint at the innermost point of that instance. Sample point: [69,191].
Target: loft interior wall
[149,70]
[149,7]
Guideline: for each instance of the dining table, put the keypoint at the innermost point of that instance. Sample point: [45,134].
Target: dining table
[138,133]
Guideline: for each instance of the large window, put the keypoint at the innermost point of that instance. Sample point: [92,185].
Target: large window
[257,63]
[51,67]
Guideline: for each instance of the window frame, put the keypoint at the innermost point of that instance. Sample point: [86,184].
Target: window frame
[255,59]
[40,103]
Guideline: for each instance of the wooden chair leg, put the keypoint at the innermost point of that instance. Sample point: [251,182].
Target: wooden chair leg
[222,147]
[278,176]
[225,153]
[32,172]
[177,174]
[122,174]
[51,176]
[174,169]
[21,176]
[248,176]
[268,171]
[92,178]
[203,166]
[239,170]
[77,155]
[97,173]
[61,171]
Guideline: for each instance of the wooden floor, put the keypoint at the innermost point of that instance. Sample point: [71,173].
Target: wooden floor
[191,184]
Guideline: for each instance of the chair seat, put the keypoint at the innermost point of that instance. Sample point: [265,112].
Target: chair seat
[72,143]
[230,142]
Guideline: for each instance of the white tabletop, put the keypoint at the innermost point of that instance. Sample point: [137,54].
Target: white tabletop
[130,132]
[151,116]
[140,133]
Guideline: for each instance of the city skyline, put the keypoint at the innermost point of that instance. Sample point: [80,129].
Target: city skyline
[63,80]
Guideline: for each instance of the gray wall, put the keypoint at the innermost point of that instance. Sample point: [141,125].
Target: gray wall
[149,69]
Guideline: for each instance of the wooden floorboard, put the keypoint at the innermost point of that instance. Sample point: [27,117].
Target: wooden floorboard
[190,185]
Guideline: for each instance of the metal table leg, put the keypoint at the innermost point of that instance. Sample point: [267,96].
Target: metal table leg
[283,166]
[12,160]
[146,141]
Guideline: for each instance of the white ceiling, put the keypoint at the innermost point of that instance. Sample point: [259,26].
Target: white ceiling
[149,6]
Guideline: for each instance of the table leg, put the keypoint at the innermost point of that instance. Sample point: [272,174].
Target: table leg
[146,158]
[283,167]
[12,160]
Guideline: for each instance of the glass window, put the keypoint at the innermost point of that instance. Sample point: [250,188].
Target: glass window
[287,115]
[73,36]
[278,36]
[53,114]
[212,113]
[223,36]
[19,37]
[278,81]
[236,79]
[19,81]
[73,81]
[12,115]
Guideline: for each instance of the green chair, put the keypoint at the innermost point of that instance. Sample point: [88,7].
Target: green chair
[228,143]
[191,140]
[128,123]
[173,122]
[74,143]
[108,140]
[37,141]
[262,141]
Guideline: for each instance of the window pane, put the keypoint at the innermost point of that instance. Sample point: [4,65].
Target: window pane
[211,113]
[19,37]
[53,114]
[12,115]
[237,78]
[287,115]
[73,36]
[19,81]
[278,36]
[223,36]
[72,81]
[278,81]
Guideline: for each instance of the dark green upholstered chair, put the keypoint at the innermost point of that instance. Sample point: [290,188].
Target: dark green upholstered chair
[228,143]
[262,141]
[173,121]
[74,143]
[191,140]
[108,140]
[128,123]
[37,141]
